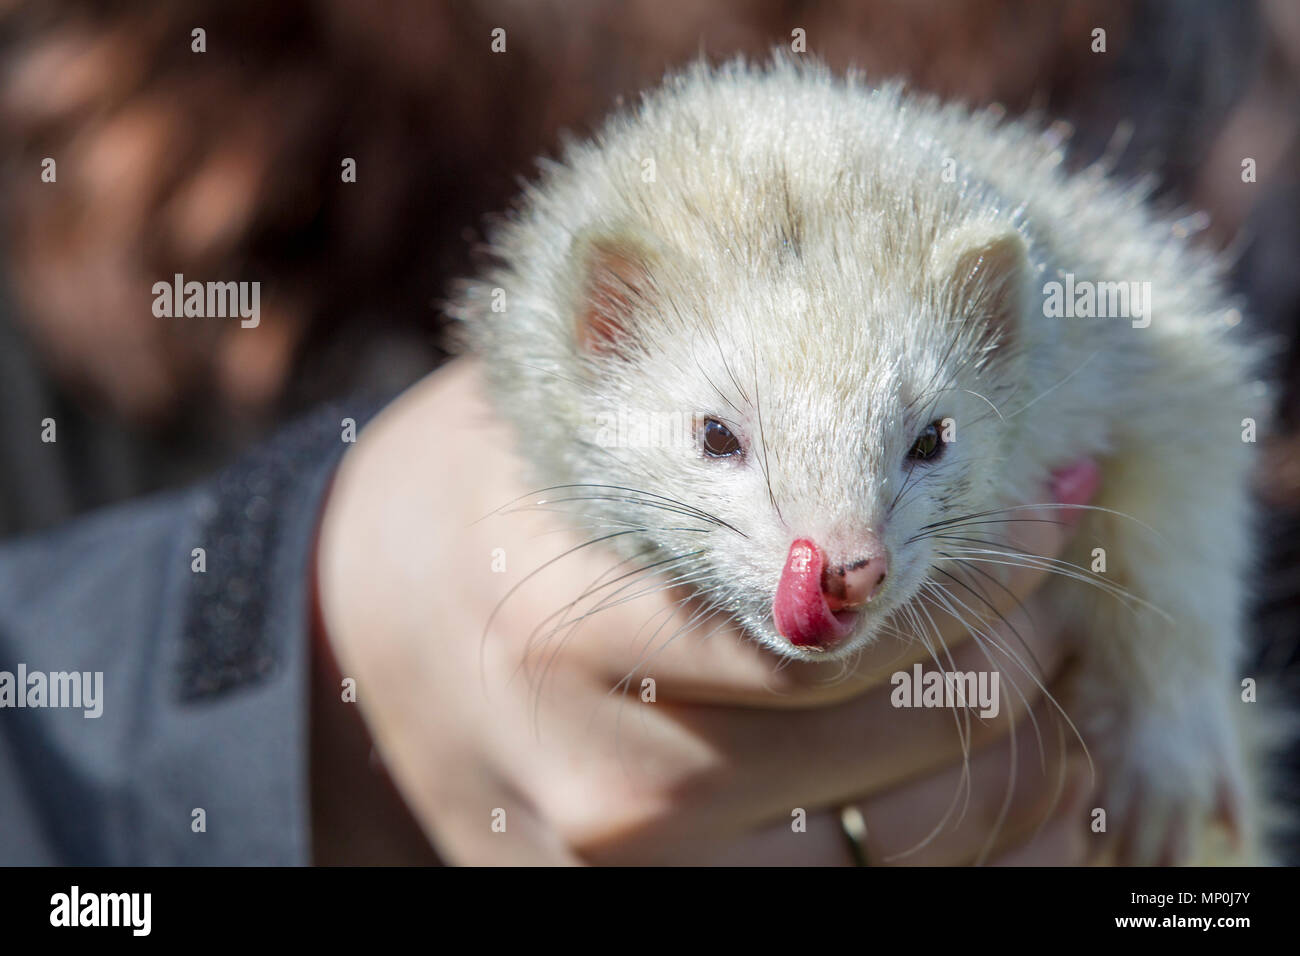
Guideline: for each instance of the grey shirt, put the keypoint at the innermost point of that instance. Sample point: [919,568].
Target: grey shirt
[204,694]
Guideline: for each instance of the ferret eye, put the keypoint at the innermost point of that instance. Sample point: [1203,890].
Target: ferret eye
[929,445]
[717,440]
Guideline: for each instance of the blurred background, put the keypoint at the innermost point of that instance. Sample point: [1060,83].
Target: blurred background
[225,165]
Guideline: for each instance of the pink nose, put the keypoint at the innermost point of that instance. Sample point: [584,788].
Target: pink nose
[850,586]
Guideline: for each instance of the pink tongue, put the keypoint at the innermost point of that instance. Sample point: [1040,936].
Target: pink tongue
[799,609]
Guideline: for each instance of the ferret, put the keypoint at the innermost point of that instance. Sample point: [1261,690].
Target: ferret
[881,323]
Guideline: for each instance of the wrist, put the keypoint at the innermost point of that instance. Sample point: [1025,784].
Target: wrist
[358,816]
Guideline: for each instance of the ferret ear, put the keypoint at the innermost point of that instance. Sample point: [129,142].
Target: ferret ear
[987,268]
[616,282]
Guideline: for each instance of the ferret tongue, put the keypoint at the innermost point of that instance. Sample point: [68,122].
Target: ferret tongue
[801,614]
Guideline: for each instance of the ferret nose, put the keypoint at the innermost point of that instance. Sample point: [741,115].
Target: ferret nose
[849,586]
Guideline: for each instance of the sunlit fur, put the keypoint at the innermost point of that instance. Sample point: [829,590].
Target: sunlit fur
[802,238]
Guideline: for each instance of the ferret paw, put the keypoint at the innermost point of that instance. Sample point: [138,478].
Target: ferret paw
[1164,791]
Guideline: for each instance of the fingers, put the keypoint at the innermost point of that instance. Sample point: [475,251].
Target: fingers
[880,738]
[470,813]
[1059,841]
[510,835]
[1020,793]
[1063,842]
[1015,789]
[688,770]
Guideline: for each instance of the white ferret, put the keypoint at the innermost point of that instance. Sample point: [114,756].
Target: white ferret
[885,322]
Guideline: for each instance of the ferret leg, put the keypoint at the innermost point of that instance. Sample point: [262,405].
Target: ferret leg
[1158,690]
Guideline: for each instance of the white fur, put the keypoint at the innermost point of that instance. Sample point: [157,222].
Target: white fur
[800,240]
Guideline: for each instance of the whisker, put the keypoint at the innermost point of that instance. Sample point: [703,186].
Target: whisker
[541,505]
[993,642]
[528,577]
[1051,505]
[1064,568]
[980,637]
[964,783]
[692,509]
[685,511]
[566,609]
[1053,388]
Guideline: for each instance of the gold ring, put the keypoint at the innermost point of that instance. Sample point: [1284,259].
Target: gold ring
[855,833]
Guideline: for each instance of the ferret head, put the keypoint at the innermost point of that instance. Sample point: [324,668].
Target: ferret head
[773,369]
